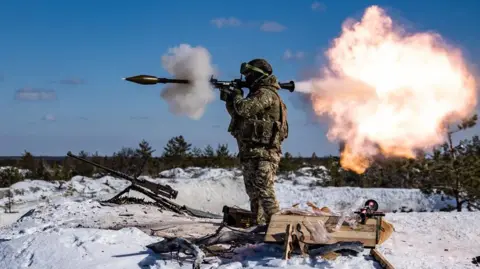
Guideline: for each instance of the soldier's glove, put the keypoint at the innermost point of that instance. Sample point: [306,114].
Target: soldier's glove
[237,91]
[227,94]
[224,96]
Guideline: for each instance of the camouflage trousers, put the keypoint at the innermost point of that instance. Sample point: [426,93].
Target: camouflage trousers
[259,177]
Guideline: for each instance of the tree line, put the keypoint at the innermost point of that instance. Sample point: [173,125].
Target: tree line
[176,153]
[451,169]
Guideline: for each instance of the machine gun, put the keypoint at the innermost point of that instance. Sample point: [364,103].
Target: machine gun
[152,190]
[369,211]
[219,84]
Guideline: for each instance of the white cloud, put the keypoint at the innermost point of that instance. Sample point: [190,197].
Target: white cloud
[226,22]
[271,26]
[49,117]
[289,55]
[267,26]
[318,6]
[30,94]
[72,81]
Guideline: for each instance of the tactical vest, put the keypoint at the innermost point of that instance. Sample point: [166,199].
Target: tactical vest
[262,130]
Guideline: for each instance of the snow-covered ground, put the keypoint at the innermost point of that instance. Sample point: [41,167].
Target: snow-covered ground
[22,172]
[65,226]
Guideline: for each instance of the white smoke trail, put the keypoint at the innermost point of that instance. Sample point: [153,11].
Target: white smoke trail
[194,64]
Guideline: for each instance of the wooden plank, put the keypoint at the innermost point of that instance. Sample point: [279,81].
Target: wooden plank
[386,230]
[365,233]
[365,241]
[381,259]
[288,244]
[369,227]
[278,221]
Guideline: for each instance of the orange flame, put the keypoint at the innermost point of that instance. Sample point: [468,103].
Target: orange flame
[389,92]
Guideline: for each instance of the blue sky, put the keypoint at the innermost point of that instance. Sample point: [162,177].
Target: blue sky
[73,54]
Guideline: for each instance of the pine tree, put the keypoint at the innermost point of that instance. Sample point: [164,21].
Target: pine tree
[42,172]
[124,160]
[177,147]
[313,159]
[153,167]
[66,172]
[9,204]
[471,173]
[197,152]
[28,162]
[222,151]
[144,155]
[286,163]
[83,154]
[126,152]
[209,152]
[56,172]
[82,168]
[333,168]
[144,149]
[453,170]
[9,176]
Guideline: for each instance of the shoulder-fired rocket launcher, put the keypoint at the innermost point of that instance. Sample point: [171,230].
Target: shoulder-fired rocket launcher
[236,83]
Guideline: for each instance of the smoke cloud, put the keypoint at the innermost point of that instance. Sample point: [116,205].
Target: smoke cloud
[193,64]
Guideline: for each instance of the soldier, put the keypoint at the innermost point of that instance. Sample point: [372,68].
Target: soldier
[259,124]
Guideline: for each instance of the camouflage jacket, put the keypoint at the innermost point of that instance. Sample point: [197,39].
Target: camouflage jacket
[259,122]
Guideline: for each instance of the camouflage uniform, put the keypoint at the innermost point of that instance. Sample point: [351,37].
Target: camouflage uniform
[259,125]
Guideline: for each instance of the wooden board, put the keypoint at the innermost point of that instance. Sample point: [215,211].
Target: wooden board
[386,230]
[368,234]
[381,259]
[287,244]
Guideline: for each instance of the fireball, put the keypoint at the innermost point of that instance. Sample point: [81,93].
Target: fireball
[389,92]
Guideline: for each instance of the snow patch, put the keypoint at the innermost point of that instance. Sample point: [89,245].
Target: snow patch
[34,190]
[199,173]
[340,198]
[78,248]
[214,188]
[64,225]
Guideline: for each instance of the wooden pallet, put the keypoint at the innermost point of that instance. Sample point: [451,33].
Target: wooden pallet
[374,231]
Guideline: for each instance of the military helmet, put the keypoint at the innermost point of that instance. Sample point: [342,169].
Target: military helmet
[256,65]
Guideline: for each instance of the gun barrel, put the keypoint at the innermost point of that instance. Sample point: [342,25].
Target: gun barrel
[290,86]
[166,190]
[119,174]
